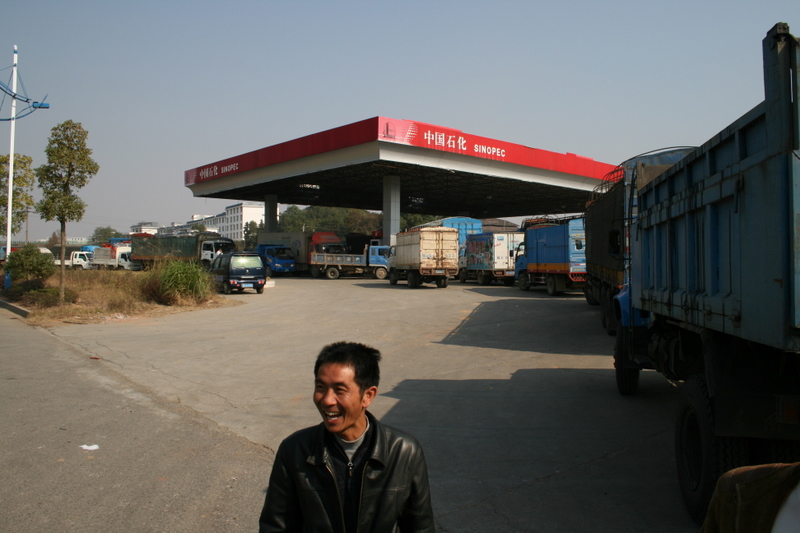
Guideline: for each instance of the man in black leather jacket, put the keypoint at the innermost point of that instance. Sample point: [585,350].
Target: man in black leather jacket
[351,473]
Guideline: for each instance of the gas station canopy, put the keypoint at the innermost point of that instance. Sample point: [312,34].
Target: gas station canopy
[435,171]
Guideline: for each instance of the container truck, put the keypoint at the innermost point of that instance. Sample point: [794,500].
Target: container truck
[489,257]
[112,258]
[608,215]
[552,255]
[713,297]
[146,249]
[425,255]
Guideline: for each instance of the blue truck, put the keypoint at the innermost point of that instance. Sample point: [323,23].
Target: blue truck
[552,255]
[278,259]
[609,213]
[712,299]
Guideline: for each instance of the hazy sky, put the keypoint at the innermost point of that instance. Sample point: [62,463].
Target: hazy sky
[165,86]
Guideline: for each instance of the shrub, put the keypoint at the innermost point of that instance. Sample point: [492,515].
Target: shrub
[28,263]
[48,297]
[174,282]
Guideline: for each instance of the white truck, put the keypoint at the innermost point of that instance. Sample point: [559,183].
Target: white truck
[76,260]
[489,257]
[424,255]
[112,258]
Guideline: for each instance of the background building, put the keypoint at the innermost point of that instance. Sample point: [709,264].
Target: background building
[230,223]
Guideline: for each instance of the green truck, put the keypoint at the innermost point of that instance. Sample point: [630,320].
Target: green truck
[147,249]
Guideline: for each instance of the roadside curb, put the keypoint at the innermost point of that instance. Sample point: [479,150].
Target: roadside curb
[21,311]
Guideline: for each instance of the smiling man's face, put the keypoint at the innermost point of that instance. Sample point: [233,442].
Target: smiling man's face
[340,400]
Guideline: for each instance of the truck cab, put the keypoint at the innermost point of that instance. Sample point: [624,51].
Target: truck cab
[278,259]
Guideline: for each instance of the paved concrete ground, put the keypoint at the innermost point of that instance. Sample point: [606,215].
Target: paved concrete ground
[511,393]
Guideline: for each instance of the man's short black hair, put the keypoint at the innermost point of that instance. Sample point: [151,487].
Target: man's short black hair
[362,358]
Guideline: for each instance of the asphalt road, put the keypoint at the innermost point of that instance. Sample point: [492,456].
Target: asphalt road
[511,393]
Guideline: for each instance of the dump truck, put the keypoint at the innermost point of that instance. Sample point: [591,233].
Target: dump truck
[609,213]
[425,255]
[552,255]
[489,257]
[147,249]
[712,301]
[323,254]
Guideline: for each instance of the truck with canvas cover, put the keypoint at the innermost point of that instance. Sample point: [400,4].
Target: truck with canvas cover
[553,255]
[425,255]
[611,208]
[489,257]
[147,249]
[713,297]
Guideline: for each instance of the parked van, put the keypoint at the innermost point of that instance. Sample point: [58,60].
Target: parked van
[239,271]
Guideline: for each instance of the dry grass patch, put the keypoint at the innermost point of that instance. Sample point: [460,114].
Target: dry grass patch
[111,295]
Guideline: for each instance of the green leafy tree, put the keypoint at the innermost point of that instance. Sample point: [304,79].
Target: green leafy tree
[199,227]
[250,235]
[29,263]
[69,167]
[54,240]
[102,234]
[21,198]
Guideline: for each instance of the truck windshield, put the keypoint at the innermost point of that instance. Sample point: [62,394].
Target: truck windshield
[246,261]
[282,253]
[334,248]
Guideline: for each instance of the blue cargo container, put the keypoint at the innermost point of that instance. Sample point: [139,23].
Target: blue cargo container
[713,297]
[552,255]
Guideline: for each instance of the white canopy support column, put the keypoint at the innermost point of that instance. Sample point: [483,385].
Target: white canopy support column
[270,213]
[391,209]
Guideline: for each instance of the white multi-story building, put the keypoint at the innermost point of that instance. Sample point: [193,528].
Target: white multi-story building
[229,224]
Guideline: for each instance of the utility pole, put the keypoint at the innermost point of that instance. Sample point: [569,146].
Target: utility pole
[11,151]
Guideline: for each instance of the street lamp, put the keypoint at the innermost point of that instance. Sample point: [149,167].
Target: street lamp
[32,106]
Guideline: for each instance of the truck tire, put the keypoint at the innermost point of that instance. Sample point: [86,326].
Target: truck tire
[462,275]
[332,273]
[484,278]
[523,282]
[413,279]
[393,277]
[380,273]
[588,295]
[627,377]
[441,283]
[700,456]
[315,273]
[552,288]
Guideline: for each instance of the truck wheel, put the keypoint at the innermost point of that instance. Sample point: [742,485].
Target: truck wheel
[441,283]
[588,295]
[627,378]
[700,456]
[393,277]
[462,275]
[413,279]
[332,273]
[552,289]
[380,273]
[523,282]
[483,278]
[315,273]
